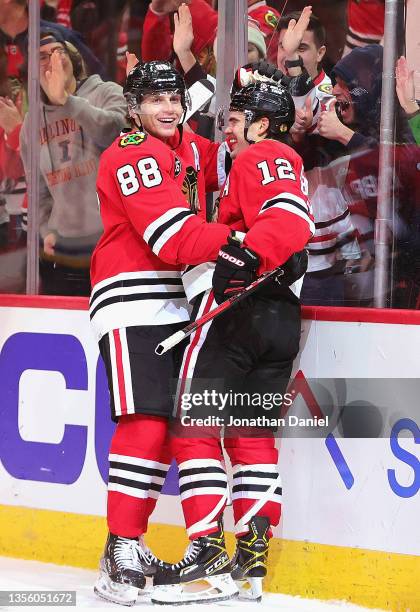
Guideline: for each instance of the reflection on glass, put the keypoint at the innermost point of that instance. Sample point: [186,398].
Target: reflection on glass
[13,105]
[336,131]
[80,116]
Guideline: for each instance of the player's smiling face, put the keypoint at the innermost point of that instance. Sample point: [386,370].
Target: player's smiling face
[160,113]
[234,131]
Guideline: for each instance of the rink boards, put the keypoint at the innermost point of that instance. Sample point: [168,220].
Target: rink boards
[351,504]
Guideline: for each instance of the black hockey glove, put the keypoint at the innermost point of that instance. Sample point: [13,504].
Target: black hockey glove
[236,268]
[271,72]
[294,268]
[301,85]
[297,86]
[258,72]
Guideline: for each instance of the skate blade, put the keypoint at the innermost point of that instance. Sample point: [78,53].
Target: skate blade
[250,589]
[209,589]
[148,588]
[122,594]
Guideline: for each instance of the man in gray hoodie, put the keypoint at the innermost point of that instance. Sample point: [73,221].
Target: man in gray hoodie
[80,117]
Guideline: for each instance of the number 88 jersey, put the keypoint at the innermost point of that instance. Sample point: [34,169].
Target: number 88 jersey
[148,204]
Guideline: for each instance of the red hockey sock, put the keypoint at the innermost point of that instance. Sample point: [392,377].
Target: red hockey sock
[256,487]
[202,482]
[139,460]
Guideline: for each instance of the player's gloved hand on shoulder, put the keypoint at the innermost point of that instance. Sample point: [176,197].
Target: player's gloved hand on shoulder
[236,268]
[294,267]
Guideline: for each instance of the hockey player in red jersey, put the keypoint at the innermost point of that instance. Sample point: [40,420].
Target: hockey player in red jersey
[148,192]
[249,348]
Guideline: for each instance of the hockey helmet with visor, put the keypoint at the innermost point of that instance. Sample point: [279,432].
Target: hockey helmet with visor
[263,100]
[152,78]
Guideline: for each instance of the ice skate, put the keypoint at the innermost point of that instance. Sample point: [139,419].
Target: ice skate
[121,570]
[203,575]
[150,563]
[249,564]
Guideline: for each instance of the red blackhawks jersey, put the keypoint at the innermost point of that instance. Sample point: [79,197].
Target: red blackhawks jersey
[149,195]
[266,197]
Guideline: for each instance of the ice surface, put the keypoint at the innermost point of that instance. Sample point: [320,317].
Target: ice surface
[20,575]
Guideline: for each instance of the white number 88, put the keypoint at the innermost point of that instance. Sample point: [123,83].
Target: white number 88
[149,173]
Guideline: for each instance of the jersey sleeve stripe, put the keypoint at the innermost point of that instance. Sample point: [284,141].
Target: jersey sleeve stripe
[296,210]
[285,201]
[163,220]
[161,231]
[167,235]
[290,198]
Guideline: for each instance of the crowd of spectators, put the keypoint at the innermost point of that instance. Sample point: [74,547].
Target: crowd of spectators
[84,47]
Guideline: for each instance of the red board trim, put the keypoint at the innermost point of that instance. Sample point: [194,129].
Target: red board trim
[44,301]
[362,315]
[315,313]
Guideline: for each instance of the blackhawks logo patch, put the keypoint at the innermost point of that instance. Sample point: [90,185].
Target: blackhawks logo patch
[326,89]
[271,19]
[134,138]
[190,189]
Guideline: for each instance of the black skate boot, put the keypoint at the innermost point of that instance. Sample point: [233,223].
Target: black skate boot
[203,574]
[121,571]
[249,563]
[150,563]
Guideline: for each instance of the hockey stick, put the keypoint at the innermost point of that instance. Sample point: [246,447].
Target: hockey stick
[179,336]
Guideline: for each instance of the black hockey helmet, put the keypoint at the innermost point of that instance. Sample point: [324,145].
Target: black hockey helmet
[265,100]
[152,77]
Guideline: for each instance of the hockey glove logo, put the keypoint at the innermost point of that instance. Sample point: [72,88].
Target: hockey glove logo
[236,268]
[234,260]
